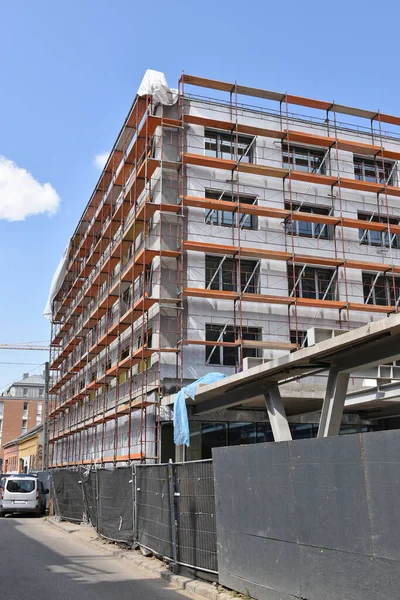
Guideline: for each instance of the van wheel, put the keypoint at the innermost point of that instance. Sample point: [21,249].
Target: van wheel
[38,513]
[2,514]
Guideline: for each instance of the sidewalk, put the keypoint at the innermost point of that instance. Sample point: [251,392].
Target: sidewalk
[88,535]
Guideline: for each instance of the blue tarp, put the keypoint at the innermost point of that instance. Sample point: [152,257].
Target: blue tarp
[181,422]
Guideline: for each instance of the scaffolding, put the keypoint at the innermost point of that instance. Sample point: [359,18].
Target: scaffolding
[105,354]
[129,314]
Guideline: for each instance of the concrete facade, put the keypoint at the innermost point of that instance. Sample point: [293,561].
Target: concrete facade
[116,356]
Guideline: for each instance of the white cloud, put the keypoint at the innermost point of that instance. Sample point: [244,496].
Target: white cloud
[21,195]
[100,160]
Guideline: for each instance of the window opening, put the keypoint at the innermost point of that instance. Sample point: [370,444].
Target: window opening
[229,355]
[309,282]
[224,145]
[222,274]
[303,159]
[306,228]
[380,289]
[373,170]
[225,218]
[378,238]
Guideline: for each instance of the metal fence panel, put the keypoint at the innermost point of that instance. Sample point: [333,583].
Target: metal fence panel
[68,495]
[196,522]
[90,494]
[153,509]
[171,512]
[115,506]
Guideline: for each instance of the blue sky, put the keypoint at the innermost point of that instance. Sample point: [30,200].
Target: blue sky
[70,70]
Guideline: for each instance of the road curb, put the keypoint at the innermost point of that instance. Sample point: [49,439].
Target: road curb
[66,528]
[181,582]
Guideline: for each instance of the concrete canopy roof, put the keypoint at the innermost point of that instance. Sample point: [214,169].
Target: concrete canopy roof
[368,346]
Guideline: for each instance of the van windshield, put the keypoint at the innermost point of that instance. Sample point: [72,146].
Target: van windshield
[20,486]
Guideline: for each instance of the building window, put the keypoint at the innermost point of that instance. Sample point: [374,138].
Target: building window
[225,145]
[25,391]
[375,171]
[125,352]
[39,413]
[229,355]
[380,289]
[378,238]
[144,340]
[126,300]
[309,282]
[41,392]
[305,228]
[142,285]
[24,425]
[222,274]
[226,218]
[25,406]
[299,337]
[308,160]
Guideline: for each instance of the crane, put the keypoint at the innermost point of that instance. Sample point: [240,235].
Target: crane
[22,347]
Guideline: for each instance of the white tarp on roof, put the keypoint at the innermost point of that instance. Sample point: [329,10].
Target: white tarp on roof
[56,282]
[153,84]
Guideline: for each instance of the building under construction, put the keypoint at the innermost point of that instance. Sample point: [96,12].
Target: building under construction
[223,231]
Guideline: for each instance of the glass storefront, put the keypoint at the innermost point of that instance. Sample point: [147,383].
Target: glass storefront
[207,435]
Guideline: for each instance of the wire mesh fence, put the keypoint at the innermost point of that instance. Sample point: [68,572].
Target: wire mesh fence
[91,496]
[115,504]
[168,508]
[153,509]
[195,507]
[68,495]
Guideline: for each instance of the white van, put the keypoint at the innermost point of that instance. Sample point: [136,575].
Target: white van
[22,494]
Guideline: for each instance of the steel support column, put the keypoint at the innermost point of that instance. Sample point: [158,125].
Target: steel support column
[276,413]
[180,454]
[332,408]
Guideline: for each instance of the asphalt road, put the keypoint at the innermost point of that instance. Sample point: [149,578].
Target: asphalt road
[40,561]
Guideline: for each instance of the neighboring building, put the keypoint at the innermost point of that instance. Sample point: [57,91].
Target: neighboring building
[25,453]
[218,235]
[21,409]
[10,460]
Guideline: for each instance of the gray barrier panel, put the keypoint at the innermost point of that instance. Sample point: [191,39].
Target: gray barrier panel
[115,506]
[382,472]
[330,501]
[68,495]
[313,519]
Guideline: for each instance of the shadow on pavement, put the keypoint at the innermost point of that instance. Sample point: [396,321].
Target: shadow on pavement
[29,567]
